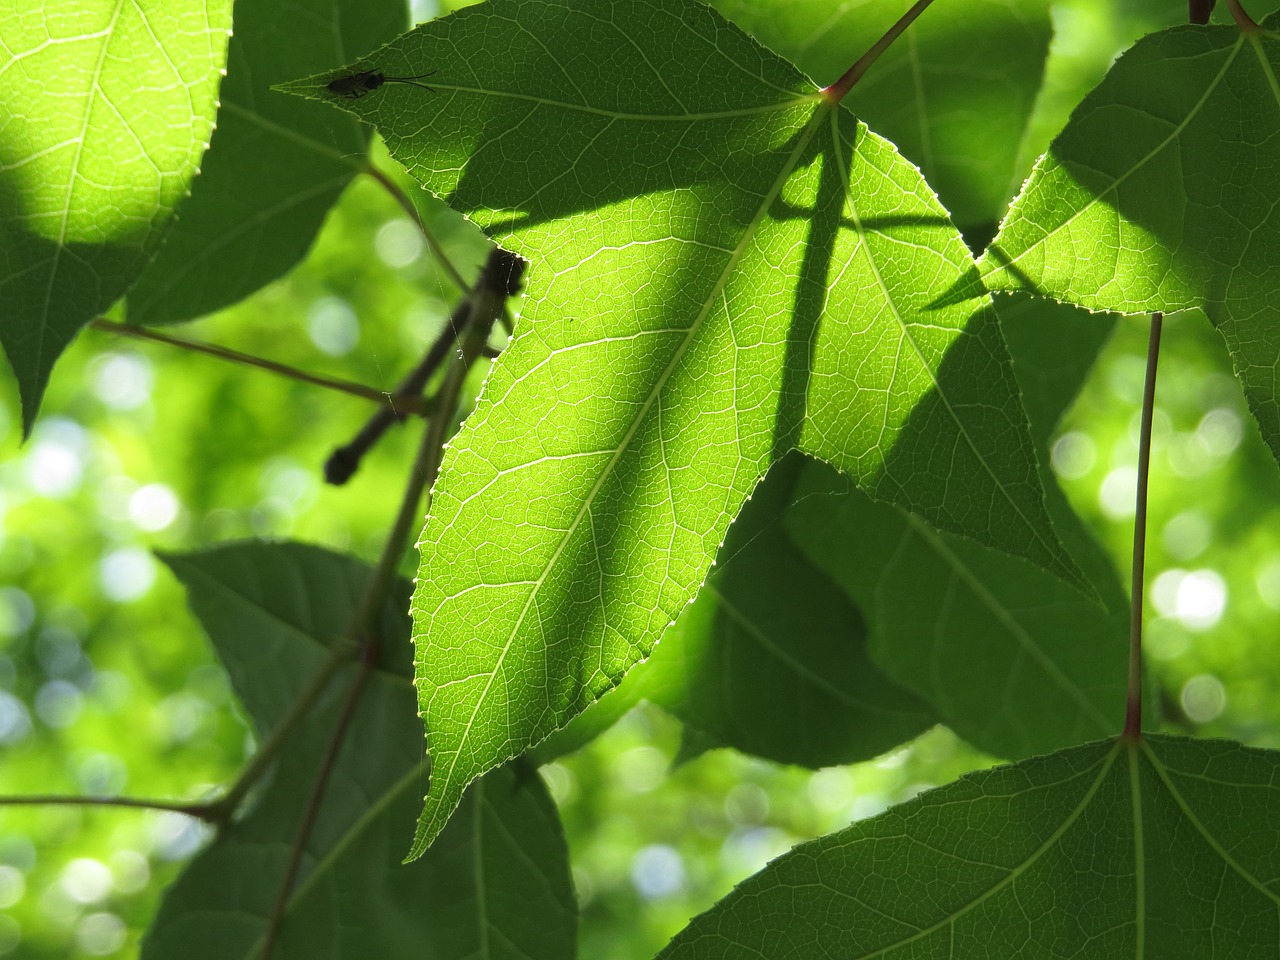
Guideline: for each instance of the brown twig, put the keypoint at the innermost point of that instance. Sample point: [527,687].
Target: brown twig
[498,280]
[1198,11]
[402,403]
[836,92]
[201,811]
[345,460]
[1133,708]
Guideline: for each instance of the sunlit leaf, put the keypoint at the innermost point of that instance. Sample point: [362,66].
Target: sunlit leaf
[1011,658]
[495,885]
[770,659]
[1159,196]
[1167,848]
[955,94]
[724,267]
[105,109]
[276,163]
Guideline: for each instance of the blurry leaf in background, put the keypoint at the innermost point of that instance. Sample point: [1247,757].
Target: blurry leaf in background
[1166,174]
[954,94]
[275,164]
[105,111]
[1103,850]
[790,260]
[496,885]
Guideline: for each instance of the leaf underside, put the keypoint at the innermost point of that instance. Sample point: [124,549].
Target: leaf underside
[1159,195]
[1104,850]
[495,885]
[724,267]
[105,111]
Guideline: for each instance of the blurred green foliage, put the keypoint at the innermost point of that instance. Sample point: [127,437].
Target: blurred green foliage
[107,685]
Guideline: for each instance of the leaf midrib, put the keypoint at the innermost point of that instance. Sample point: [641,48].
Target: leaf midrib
[1014,872]
[1015,629]
[1006,264]
[712,297]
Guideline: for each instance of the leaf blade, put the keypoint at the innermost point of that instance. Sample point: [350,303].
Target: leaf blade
[1164,172]
[105,114]
[679,335]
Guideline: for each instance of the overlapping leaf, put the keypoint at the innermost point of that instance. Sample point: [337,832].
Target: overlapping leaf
[1160,196]
[1011,658]
[496,884]
[724,267]
[770,659]
[276,163]
[1167,848]
[105,110]
[954,94]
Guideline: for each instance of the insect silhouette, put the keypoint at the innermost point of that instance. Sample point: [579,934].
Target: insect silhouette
[356,85]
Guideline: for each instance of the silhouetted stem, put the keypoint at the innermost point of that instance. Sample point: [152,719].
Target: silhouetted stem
[395,402]
[1198,10]
[437,249]
[1245,22]
[222,808]
[837,90]
[312,808]
[345,460]
[498,281]
[1133,709]
[201,811]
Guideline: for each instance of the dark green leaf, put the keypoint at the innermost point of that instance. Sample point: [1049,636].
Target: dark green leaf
[1010,657]
[495,885]
[1168,848]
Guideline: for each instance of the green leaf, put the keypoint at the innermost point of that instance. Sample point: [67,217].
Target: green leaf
[1054,346]
[771,658]
[1166,175]
[105,110]
[1010,657]
[495,885]
[955,94]
[1167,848]
[275,165]
[724,267]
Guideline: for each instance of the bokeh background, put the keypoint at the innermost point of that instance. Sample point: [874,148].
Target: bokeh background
[107,685]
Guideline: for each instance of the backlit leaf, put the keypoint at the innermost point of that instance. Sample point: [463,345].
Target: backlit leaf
[954,94]
[724,267]
[1159,195]
[105,109]
[276,163]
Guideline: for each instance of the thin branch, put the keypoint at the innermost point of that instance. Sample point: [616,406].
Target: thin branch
[437,248]
[222,809]
[345,460]
[836,92]
[1133,709]
[201,811]
[498,280]
[1245,22]
[312,808]
[394,401]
